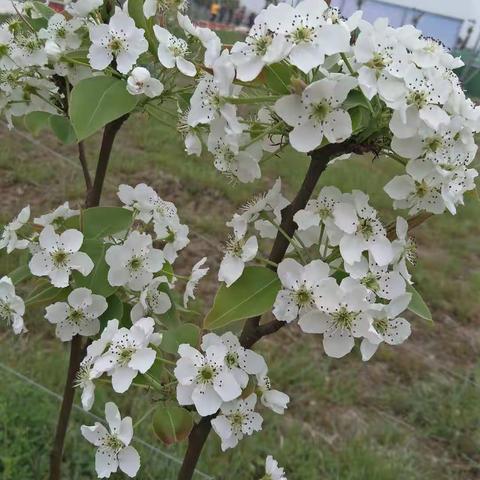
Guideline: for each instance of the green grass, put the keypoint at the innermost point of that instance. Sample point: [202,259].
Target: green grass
[411,413]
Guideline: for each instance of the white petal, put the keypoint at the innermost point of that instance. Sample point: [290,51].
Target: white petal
[306,137]
[338,343]
[129,461]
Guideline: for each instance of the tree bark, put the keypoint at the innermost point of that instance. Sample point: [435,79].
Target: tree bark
[252,331]
[92,199]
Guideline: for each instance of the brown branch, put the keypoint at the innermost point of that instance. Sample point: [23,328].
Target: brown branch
[413,222]
[77,351]
[252,330]
[83,162]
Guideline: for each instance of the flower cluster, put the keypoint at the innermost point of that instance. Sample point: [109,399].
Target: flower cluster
[219,377]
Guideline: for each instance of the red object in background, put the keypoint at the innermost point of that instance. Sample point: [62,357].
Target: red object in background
[58,7]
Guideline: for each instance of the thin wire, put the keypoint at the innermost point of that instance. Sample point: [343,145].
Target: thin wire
[138,440]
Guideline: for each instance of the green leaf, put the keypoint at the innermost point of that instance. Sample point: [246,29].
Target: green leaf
[418,305]
[172,424]
[135,10]
[356,99]
[252,294]
[20,274]
[360,119]
[63,129]
[46,294]
[97,281]
[184,333]
[35,122]
[278,77]
[43,9]
[114,310]
[100,222]
[96,101]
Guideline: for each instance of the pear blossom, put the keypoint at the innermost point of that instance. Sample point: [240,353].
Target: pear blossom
[80,316]
[141,82]
[309,35]
[237,419]
[59,255]
[297,297]
[388,326]
[197,274]
[270,398]
[152,301]
[12,307]
[134,262]
[240,361]
[9,238]
[317,113]
[113,445]
[362,230]
[404,248]
[57,217]
[238,251]
[175,236]
[205,380]
[172,51]
[120,40]
[272,470]
[342,315]
[82,8]
[62,32]
[129,353]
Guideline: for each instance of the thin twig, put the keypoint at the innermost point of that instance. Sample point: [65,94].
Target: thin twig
[83,162]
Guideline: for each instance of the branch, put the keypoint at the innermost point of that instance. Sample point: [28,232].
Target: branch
[77,351]
[413,222]
[84,164]
[252,330]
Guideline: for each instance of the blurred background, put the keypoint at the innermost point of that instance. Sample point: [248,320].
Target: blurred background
[411,413]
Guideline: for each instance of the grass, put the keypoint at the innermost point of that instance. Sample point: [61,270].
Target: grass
[411,413]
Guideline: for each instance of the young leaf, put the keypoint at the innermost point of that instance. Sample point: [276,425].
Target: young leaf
[172,424]
[96,101]
[100,222]
[184,333]
[418,305]
[114,310]
[252,294]
[97,281]
[46,294]
[63,129]
[278,77]
[20,274]
[35,122]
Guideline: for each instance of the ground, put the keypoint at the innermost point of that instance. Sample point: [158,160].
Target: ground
[411,413]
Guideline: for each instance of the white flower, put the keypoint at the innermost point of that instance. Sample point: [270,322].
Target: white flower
[12,307]
[9,238]
[197,274]
[134,262]
[419,190]
[204,380]
[363,230]
[120,39]
[113,446]
[378,280]
[129,353]
[261,47]
[342,315]
[272,470]
[238,251]
[59,255]
[141,82]
[272,399]
[388,326]
[310,36]
[85,380]
[317,113]
[81,8]
[62,32]
[57,217]
[80,316]
[175,234]
[152,301]
[299,282]
[238,418]
[404,248]
[172,51]
[240,361]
